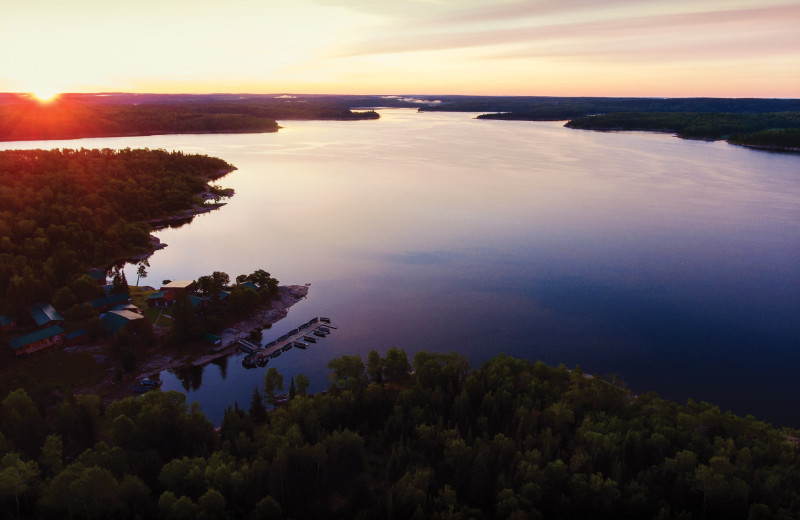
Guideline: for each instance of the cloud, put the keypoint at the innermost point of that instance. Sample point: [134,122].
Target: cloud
[720,22]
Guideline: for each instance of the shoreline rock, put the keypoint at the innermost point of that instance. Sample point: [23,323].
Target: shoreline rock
[169,359]
[264,316]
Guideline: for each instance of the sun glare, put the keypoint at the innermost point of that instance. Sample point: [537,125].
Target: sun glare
[44,95]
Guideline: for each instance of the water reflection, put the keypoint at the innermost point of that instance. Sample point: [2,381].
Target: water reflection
[222,364]
[190,376]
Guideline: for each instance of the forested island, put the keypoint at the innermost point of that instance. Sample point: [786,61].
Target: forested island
[75,116]
[510,439]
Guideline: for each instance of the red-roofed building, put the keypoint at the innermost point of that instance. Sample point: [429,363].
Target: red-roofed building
[161,299]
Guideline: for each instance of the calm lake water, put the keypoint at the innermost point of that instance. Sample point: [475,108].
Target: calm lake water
[673,264]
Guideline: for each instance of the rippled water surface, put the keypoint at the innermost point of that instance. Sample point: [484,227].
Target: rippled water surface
[672,263]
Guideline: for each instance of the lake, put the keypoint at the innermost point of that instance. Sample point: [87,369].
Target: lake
[673,264]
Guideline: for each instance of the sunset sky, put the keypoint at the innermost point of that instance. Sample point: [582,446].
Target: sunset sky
[724,48]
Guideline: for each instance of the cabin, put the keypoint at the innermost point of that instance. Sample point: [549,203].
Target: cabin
[161,299]
[126,307]
[198,303]
[180,286]
[108,302]
[7,323]
[37,340]
[44,315]
[115,321]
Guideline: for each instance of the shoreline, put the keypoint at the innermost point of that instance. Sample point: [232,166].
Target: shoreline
[263,317]
[199,353]
[157,224]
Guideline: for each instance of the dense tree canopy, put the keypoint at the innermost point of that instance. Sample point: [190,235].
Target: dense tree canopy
[62,211]
[511,439]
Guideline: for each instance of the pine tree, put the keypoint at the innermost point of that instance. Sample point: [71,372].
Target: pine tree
[258,412]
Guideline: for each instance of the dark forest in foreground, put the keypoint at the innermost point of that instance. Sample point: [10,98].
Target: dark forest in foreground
[511,439]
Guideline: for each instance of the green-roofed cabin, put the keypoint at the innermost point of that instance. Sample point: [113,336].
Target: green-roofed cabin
[197,302]
[107,302]
[114,321]
[37,340]
[44,315]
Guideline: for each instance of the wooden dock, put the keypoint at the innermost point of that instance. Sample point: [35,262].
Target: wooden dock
[297,334]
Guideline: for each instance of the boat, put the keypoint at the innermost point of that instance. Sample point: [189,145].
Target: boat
[249,362]
[246,349]
[299,344]
[326,330]
[286,347]
[309,339]
[262,361]
[272,343]
[275,354]
[325,320]
[152,383]
[319,333]
[293,332]
[285,336]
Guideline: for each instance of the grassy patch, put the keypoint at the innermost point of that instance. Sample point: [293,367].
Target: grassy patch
[139,296]
[158,317]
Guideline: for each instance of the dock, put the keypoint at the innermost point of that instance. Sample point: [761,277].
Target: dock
[286,341]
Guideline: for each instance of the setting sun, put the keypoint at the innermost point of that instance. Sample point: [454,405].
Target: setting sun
[45,95]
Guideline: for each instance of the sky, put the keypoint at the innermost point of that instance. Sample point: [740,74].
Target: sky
[672,48]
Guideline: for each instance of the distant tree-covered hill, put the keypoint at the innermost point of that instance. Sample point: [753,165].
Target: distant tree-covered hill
[72,116]
[772,129]
[763,123]
[511,439]
[534,107]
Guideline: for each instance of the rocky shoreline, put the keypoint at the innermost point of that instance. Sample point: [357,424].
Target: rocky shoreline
[167,359]
[263,317]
